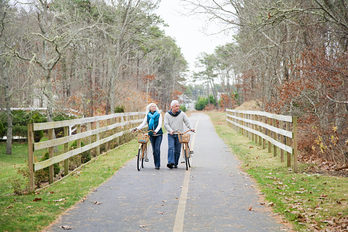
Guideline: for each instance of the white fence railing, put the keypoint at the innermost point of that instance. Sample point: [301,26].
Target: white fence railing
[96,131]
[278,130]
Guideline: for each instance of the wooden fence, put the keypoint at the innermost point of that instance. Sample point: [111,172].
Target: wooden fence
[278,130]
[95,131]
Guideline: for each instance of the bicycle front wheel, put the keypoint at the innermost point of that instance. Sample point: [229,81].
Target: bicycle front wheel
[187,159]
[140,158]
[144,155]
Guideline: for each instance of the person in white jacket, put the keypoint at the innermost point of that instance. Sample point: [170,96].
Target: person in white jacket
[174,120]
[154,119]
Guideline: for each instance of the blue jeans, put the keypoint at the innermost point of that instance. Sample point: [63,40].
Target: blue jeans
[174,148]
[156,149]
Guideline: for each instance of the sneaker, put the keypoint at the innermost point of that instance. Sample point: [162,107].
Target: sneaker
[157,168]
[191,152]
[146,159]
[170,166]
[175,166]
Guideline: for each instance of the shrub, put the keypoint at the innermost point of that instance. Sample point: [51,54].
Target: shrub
[183,108]
[43,174]
[20,181]
[201,103]
[119,109]
[2,130]
[85,156]
[36,117]
[61,117]
[19,130]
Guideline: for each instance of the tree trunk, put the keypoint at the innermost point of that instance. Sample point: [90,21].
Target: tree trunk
[8,112]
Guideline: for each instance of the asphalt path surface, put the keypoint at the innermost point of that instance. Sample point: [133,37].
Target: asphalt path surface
[214,195]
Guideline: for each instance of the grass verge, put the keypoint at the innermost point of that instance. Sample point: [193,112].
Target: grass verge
[309,201]
[36,211]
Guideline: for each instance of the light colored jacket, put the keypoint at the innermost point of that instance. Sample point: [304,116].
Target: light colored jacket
[172,123]
[145,121]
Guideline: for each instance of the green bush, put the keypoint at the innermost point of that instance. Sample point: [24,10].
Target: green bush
[183,108]
[36,117]
[19,130]
[43,174]
[61,117]
[2,130]
[201,103]
[85,156]
[212,100]
[20,117]
[119,109]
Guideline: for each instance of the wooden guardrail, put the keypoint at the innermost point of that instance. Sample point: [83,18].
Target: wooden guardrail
[98,128]
[279,130]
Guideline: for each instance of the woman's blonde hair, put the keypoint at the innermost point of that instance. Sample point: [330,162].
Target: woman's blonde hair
[149,106]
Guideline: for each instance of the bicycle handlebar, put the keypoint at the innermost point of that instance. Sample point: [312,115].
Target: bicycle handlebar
[183,132]
[136,129]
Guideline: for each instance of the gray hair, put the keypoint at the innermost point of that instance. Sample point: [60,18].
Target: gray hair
[148,107]
[173,103]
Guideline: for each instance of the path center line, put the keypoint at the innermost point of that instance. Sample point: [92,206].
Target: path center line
[180,213]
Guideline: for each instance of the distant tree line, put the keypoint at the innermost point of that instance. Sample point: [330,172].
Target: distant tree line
[291,57]
[92,56]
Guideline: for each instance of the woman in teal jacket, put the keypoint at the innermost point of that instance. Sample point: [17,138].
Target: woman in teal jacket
[154,119]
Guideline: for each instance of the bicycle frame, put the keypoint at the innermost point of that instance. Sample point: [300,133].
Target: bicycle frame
[186,150]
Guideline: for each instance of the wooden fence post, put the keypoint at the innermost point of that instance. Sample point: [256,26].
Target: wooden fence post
[247,116]
[264,132]
[243,123]
[235,120]
[50,154]
[78,130]
[254,128]
[274,123]
[281,124]
[66,149]
[294,151]
[89,139]
[107,123]
[31,157]
[288,142]
[269,134]
[98,138]
[259,129]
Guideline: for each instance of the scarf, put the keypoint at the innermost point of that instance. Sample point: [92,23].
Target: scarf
[152,117]
[172,114]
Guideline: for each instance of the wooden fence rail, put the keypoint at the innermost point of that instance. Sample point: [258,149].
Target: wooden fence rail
[117,125]
[278,130]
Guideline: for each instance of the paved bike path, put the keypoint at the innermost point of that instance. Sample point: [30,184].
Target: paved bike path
[214,195]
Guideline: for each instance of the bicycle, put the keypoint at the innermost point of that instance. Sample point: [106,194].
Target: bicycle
[143,139]
[184,139]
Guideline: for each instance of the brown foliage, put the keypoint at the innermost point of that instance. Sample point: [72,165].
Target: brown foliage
[317,93]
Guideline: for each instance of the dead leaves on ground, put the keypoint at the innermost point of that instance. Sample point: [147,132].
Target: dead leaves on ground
[65,227]
[311,204]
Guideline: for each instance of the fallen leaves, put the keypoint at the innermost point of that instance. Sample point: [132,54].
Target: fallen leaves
[37,199]
[251,209]
[62,199]
[65,227]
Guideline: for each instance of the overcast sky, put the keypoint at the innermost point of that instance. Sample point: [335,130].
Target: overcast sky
[189,31]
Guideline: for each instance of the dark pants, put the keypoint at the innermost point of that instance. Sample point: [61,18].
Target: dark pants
[174,148]
[156,148]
